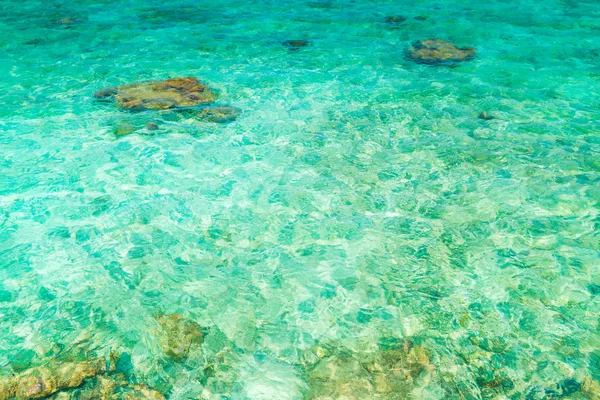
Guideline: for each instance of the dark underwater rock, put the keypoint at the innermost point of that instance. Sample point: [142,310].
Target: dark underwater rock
[105,93]
[159,95]
[295,45]
[485,116]
[438,52]
[35,42]
[324,5]
[395,20]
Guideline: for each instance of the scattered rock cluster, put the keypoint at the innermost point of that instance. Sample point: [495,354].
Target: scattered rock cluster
[46,380]
[186,92]
[113,387]
[391,371]
[396,21]
[185,95]
[98,378]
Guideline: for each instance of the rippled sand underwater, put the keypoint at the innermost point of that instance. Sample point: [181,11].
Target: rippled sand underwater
[360,231]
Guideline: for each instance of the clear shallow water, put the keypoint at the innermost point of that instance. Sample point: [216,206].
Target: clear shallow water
[358,201]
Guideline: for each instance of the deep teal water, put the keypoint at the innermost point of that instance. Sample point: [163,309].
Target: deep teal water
[357,200]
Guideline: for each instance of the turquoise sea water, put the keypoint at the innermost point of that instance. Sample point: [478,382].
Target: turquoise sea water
[356,207]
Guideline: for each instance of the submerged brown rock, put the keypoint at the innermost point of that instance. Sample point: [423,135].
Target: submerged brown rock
[115,387]
[389,372]
[159,95]
[220,114]
[591,388]
[82,380]
[124,128]
[178,335]
[43,381]
[485,116]
[438,52]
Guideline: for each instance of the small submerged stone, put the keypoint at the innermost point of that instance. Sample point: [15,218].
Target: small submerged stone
[34,42]
[106,92]
[178,335]
[124,128]
[438,52]
[421,18]
[485,116]
[321,4]
[296,45]
[395,20]
[159,95]
[68,20]
[152,126]
[220,114]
